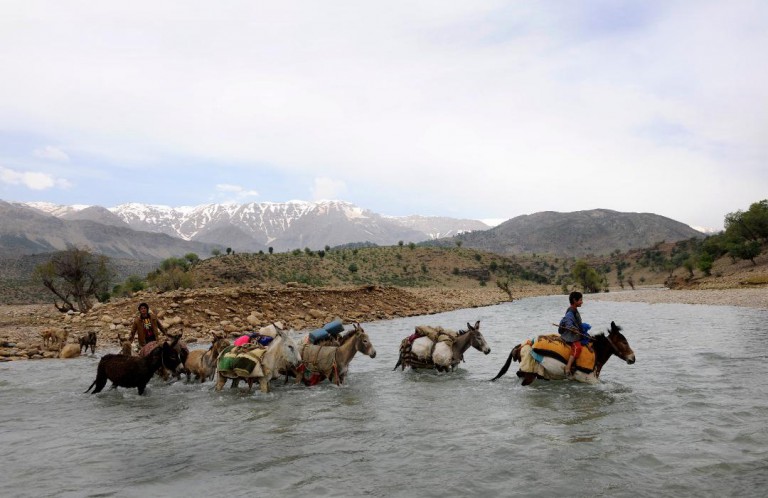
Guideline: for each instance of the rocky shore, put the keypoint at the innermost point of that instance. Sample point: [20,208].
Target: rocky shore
[232,311]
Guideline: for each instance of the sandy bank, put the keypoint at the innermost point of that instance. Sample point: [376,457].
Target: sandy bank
[745,297]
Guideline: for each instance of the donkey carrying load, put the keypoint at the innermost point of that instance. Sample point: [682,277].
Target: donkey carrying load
[319,362]
[438,348]
[253,362]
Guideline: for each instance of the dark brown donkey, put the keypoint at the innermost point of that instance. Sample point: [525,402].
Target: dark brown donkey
[134,371]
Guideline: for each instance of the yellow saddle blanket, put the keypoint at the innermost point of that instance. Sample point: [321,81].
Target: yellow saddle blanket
[552,345]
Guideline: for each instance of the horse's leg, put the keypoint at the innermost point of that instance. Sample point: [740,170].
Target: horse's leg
[264,384]
[220,381]
[528,378]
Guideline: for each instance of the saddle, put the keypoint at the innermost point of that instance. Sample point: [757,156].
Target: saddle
[243,361]
[319,358]
[554,347]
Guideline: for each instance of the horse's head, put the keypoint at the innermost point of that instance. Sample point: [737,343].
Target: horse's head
[364,344]
[620,344]
[477,339]
[289,350]
[169,355]
[218,344]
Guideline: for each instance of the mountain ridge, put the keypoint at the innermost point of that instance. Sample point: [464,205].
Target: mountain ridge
[254,227]
[282,227]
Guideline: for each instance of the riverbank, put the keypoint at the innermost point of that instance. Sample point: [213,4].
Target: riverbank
[745,297]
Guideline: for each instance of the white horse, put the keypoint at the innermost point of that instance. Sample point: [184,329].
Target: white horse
[282,350]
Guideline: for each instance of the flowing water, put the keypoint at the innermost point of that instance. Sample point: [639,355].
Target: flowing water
[688,419]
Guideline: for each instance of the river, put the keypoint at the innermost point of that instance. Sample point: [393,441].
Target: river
[687,419]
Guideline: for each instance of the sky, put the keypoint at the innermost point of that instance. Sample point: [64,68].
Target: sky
[468,109]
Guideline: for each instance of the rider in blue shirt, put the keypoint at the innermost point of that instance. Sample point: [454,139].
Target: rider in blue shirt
[570,328]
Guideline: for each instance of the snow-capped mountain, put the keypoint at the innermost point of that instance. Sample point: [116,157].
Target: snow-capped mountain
[282,226]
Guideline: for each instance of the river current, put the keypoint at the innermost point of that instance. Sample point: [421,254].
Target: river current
[689,418]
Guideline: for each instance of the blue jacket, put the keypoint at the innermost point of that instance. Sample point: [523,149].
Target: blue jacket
[572,320]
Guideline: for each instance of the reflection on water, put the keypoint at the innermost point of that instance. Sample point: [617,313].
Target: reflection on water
[688,418]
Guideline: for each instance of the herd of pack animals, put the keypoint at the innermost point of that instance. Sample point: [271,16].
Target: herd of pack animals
[431,348]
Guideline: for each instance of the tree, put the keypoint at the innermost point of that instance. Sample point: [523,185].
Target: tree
[586,276]
[504,284]
[215,252]
[271,249]
[745,250]
[749,225]
[705,263]
[133,283]
[77,277]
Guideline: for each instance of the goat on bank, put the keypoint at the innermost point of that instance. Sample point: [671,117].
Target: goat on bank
[88,341]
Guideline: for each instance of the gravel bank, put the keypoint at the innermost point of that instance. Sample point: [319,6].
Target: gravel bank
[747,297]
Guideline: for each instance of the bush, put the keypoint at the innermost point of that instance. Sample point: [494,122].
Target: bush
[76,277]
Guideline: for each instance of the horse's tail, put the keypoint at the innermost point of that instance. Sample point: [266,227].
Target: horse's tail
[506,366]
[91,386]
[399,361]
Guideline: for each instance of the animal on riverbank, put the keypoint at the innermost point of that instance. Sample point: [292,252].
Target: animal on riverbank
[69,351]
[546,363]
[166,370]
[332,362]
[202,363]
[54,337]
[447,353]
[133,371]
[263,367]
[88,341]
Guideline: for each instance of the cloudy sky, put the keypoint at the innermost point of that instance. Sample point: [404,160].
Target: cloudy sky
[469,109]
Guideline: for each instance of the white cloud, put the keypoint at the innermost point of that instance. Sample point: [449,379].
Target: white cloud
[32,180]
[52,153]
[327,189]
[236,193]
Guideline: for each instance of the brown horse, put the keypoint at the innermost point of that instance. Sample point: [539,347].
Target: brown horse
[332,362]
[165,370]
[464,340]
[133,371]
[534,367]
[203,363]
